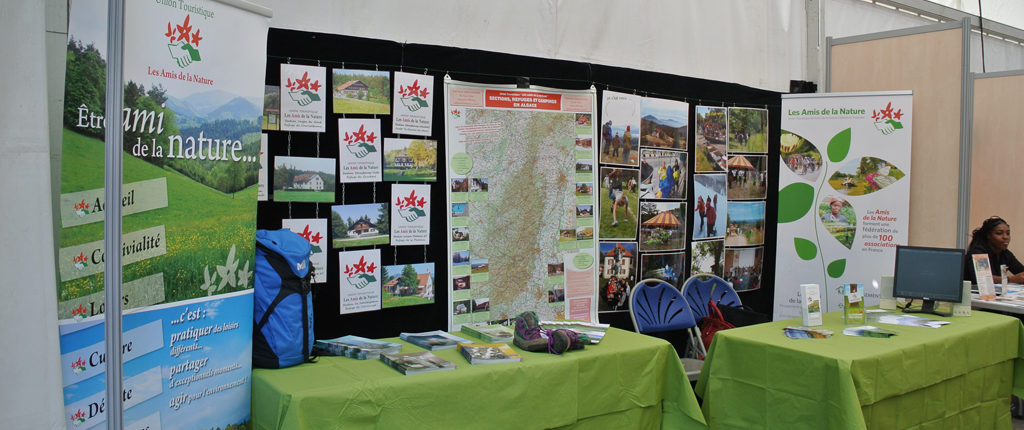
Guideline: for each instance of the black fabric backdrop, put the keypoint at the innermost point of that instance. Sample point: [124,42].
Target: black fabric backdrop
[337,51]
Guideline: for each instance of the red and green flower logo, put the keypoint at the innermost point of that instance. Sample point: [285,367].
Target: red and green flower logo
[360,274]
[78,366]
[80,261]
[411,208]
[79,313]
[456,113]
[359,143]
[313,239]
[81,208]
[887,121]
[78,418]
[302,91]
[413,97]
[183,43]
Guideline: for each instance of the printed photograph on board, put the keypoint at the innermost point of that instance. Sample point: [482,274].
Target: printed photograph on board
[746,224]
[664,123]
[304,179]
[709,214]
[410,160]
[711,139]
[662,174]
[620,129]
[743,268]
[748,177]
[748,130]
[361,91]
[360,225]
[665,266]
[618,268]
[708,257]
[407,285]
[662,226]
[271,107]
[618,203]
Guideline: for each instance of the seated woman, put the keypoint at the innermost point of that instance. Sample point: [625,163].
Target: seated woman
[993,238]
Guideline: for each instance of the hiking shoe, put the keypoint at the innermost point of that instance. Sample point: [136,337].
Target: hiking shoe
[531,337]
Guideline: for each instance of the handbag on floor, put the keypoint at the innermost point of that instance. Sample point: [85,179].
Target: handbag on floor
[712,323]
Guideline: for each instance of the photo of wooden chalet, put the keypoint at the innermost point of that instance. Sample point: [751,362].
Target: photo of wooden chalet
[352,89]
[308,181]
[424,287]
[361,228]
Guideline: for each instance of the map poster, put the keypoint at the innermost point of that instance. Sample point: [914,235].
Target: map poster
[413,111]
[520,166]
[359,149]
[844,193]
[410,214]
[313,230]
[303,98]
[360,281]
[193,96]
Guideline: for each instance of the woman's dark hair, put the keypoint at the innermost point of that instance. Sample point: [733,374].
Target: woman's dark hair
[980,234]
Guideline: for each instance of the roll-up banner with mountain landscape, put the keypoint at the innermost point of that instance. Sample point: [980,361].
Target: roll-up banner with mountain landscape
[193,98]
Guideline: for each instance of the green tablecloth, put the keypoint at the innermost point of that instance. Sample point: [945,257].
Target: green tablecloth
[626,381]
[959,376]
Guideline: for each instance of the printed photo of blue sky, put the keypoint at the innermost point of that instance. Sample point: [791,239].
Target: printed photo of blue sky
[664,123]
[360,225]
[224,349]
[746,224]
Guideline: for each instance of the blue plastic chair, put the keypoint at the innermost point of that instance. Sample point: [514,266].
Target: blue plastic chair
[698,292]
[656,306]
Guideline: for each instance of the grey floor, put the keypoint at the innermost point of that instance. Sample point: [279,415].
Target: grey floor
[1018,424]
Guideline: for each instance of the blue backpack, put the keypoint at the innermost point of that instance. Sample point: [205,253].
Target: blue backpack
[283,305]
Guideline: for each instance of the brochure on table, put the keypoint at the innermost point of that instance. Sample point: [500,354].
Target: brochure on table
[844,193]
[191,159]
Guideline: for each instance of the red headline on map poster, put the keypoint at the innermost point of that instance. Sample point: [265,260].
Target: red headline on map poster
[522,100]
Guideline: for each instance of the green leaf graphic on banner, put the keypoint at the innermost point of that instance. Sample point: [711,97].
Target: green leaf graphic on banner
[836,268]
[805,249]
[865,176]
[794,201]
[839,146]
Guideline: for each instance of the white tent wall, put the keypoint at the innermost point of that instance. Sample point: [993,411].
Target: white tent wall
[31,396]
[758,44]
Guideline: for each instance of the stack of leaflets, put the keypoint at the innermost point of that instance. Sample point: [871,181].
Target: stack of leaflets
[868,331]
[478,353]
[490,333]
[903,319]
[412,363]
[356,347]
[806,333]
[433,340]
[593,331]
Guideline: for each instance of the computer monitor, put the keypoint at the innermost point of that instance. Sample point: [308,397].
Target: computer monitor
[929,274]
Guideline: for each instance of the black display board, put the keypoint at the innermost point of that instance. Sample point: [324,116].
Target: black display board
[337,51]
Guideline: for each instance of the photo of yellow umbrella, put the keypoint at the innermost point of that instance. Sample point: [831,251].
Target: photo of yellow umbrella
[664,219]
[740,162]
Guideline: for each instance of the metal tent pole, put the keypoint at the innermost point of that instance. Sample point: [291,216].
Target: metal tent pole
[112,213]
